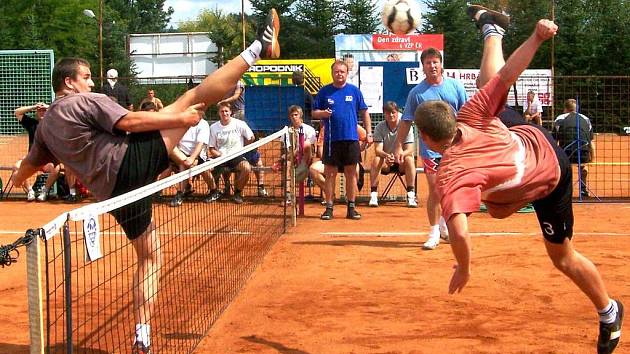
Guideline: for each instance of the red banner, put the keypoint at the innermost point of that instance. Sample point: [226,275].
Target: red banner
[413,42]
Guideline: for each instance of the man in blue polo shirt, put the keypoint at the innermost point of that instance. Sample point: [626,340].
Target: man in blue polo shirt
[338,105]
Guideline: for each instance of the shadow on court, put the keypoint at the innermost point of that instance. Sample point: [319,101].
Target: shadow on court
[380,244]
[277,346]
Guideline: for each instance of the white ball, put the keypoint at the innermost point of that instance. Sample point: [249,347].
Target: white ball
[401,16]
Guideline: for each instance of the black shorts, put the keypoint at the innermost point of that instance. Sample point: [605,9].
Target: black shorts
[252,157]
[555,211]
[342,153]
[145,159]
[230,165]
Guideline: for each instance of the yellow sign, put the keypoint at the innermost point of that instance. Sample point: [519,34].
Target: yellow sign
[278,72]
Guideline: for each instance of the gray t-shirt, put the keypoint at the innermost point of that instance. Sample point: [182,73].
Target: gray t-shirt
[382,134]
[78,130]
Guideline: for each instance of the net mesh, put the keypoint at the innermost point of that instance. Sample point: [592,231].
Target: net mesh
[193,264]
[25,79]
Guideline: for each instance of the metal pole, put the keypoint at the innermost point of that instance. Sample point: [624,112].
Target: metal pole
[67,280]
[553,73]
[100,41]
[243,21]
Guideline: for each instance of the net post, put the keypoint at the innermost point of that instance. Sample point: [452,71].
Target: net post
[300,160]
[291,158]
[34,289]
[67,280]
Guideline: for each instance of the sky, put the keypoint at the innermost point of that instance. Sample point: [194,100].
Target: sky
[188,9]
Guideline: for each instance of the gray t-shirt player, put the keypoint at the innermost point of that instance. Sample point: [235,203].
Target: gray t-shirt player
[78,131]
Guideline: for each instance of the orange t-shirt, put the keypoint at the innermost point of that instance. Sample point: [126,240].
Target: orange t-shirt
[504,168]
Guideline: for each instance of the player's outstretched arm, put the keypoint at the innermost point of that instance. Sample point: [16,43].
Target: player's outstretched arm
[523,55]
[461,247]
[142,121]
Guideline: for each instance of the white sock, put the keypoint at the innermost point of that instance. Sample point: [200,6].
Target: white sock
[73,191]
[252,53]
[434,231]
[44,190]
[609,313]
[143,332]
[374,194]
[489,30]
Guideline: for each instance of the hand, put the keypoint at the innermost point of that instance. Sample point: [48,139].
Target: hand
[545,29]
[327,113]
[389,159]
[193,114]
[458,280]
[398,155]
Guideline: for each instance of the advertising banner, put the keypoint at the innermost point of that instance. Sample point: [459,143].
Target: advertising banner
[278,72]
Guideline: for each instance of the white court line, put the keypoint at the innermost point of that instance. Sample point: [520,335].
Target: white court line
[399,234]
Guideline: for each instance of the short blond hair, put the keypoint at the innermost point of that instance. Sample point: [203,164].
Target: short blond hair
[570,105]
[436,119]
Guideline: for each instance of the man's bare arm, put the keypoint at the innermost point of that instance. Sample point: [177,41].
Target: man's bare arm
[523,55]
[148,121]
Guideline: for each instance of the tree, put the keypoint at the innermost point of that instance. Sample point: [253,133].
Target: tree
[224,30]
[359,17]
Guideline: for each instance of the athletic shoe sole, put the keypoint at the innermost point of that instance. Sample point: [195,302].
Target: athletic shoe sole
[269,36]
[490,17]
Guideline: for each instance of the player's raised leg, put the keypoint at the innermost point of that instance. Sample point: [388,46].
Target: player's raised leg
[214,87]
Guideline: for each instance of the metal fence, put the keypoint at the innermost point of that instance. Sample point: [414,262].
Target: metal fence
[605,100]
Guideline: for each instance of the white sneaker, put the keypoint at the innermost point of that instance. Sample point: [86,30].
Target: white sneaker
[443,230]
[411,200]
[373,199]
[432,243]
[30,196]
[42,196]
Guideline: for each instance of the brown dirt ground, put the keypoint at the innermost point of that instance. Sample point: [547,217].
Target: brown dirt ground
[337,287]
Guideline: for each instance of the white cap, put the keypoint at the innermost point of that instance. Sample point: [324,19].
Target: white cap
[112,74]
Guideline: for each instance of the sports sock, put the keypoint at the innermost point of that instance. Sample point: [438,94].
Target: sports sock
[609,313]
[329,205]
[434,231]
[73,191]
[351,204]
[411,189]
[252,53]
[143,332]
[374,189]
[489,30]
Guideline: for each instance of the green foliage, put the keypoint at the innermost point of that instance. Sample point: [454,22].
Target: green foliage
[223,29]
[60,25]
[360,16]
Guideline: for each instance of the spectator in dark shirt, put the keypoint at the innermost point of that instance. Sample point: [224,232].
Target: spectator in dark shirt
[115,89]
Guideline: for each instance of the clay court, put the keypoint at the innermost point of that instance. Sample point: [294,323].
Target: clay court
[366,286]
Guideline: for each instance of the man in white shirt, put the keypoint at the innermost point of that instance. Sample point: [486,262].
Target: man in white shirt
[227,136]
[190,152]
[532,108]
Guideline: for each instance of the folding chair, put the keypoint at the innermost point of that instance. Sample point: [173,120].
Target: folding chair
[397,176]
[6,189]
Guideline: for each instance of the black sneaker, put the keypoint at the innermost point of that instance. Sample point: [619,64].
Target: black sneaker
[327,215]
[73,198]
[353,214]
[140,348]
[213,196]
[238,199]
[489,17]
[268,36]
[609,333]
[177,200]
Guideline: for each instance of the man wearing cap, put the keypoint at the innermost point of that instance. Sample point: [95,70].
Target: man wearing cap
[113,88]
